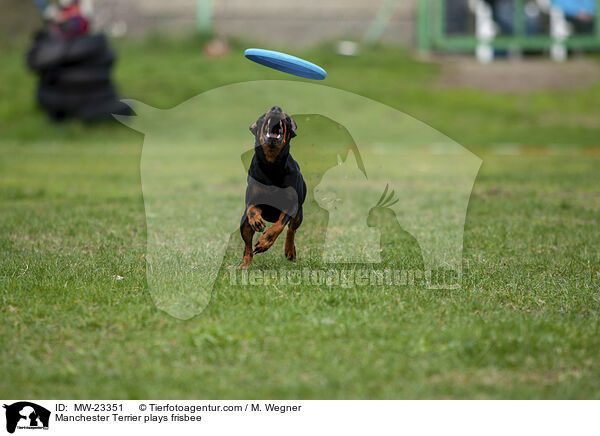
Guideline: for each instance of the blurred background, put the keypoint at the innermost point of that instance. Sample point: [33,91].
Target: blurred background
[492,45]
[424,23]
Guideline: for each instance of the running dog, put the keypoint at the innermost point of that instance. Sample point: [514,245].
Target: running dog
[276,189]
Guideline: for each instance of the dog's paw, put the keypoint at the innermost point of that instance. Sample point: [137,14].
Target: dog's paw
[257,223]
[264,243]
[290,252]
[245,262]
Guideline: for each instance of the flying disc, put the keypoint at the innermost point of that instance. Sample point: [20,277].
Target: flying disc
[286,63]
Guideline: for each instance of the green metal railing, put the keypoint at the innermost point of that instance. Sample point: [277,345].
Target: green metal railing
[204,16]
[431,34]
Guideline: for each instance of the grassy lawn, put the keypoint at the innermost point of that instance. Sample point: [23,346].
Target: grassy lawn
[77,320]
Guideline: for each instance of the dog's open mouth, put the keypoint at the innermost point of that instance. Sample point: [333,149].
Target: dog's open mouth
[274,129]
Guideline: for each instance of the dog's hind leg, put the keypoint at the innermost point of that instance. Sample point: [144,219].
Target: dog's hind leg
[290,247]
[247,234]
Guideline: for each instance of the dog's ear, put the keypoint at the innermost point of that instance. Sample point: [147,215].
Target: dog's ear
[255,128]
[291,124]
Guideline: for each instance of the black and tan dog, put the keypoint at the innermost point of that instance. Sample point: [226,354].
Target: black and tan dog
[276,190]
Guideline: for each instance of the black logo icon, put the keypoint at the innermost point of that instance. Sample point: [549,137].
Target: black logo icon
[26,415]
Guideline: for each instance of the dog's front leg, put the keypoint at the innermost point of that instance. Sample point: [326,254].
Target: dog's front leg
[270,236]
[255,218]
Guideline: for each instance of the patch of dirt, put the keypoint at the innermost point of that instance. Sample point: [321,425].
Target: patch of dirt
[528,75]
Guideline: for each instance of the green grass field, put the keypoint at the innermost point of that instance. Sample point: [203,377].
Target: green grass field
[77,320]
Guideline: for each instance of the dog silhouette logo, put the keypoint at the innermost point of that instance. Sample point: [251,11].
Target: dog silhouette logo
[26,415]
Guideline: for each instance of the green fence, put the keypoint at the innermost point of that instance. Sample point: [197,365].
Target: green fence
[432,35]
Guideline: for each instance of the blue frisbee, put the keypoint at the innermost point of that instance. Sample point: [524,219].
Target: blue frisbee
[286,63]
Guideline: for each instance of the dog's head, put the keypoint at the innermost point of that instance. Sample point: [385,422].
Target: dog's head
[273,130]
